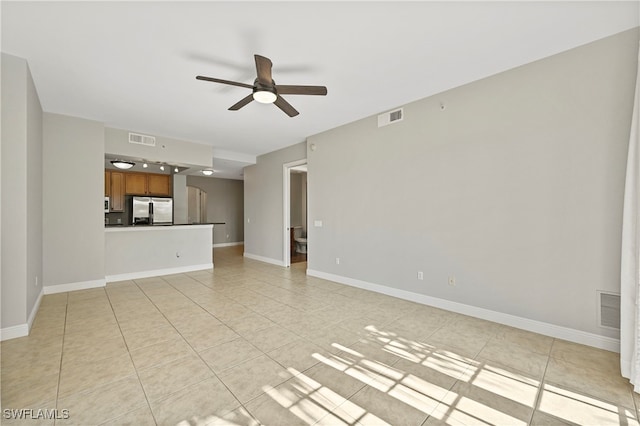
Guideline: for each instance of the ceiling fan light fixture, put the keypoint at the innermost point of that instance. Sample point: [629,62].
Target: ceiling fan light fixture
[121,164]
[207,172]
[264,96]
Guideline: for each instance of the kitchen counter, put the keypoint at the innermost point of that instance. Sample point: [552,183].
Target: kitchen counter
[122,225]
[140,251]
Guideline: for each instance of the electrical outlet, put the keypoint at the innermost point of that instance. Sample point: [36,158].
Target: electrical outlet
[452,280]
[337,260]
[177,254]
[420,275]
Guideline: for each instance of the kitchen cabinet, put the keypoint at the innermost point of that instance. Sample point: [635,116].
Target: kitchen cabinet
[135,184]
[159,185]
[148,184]
[116,195]
[107,183]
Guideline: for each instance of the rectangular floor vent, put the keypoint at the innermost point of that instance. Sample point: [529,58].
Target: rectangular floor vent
[390,117]
[142,139]
[609,310]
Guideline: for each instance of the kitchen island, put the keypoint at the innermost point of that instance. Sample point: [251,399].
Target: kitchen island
[133,252]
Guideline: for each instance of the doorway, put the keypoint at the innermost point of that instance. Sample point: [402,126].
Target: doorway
[196,205]
[295,246]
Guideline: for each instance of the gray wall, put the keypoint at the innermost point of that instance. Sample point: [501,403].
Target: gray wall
[180,206]
[21,184]
[225,203]
[73,236]
[34,194]
[515,188]
[263,202]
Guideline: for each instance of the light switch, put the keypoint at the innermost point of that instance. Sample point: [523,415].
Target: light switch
[317,223]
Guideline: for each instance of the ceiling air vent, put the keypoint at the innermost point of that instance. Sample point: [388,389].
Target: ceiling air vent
[609,310]
[390,117]
[142,139]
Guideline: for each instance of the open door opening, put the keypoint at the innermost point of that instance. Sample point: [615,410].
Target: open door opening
[295,244]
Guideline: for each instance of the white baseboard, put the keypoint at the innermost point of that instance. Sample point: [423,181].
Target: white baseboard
[237,243]
[22,330]
[157,272]
[14,332]
[552,330]
[82,285]
[34,311]
[264,259]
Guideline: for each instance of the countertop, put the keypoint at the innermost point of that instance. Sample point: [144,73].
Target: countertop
[123,225]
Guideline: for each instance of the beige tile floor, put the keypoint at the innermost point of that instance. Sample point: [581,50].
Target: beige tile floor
[250,343]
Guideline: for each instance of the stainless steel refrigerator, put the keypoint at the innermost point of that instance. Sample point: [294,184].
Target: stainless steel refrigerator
[152,211]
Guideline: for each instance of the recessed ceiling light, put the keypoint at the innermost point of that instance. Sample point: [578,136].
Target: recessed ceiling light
[145,165]
[162,168]
[207,172]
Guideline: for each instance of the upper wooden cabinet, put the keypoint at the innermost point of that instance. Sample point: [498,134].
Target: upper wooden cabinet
[147,184]
[159,185]
[116,195]
[135,184]
[107,183]
[132,183]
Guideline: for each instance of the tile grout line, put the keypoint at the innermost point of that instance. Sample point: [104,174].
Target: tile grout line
[192,348]
[146,397]
[263,352]
[64,334]
[542,381]
[242,404]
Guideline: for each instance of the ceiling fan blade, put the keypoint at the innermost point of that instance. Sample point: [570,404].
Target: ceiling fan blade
[301,90]
[286,107]
[217,80]
[263,67]
[244,101]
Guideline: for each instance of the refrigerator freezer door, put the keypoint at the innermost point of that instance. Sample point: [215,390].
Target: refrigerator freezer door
[140,207]
[162,210]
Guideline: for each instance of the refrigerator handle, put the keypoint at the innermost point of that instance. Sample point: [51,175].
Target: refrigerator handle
[150,208]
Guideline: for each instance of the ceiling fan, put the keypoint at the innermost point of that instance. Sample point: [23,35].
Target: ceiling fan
[265,89]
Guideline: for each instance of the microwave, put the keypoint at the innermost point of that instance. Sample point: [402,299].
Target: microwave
[106,204]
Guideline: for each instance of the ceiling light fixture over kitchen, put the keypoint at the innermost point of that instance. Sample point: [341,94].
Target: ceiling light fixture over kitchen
[162,168]
[121,164]
[176,170]
[207,172]
[145,165]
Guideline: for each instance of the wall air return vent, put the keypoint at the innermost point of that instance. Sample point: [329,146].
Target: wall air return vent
[142,139]
[609,310]
[390,117]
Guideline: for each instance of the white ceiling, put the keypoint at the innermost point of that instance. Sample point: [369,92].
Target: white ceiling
[132,65]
